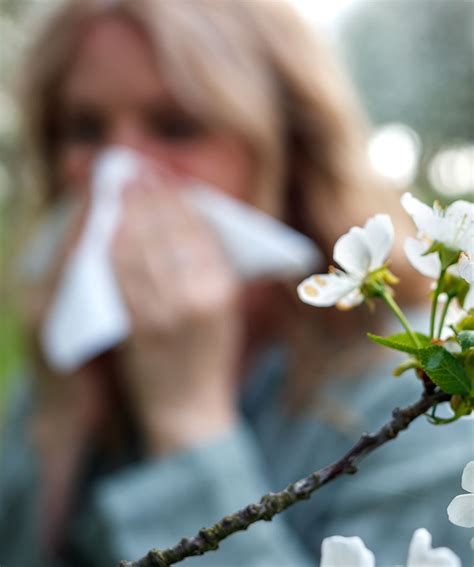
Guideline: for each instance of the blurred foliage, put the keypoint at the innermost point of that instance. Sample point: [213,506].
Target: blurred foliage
[11,41]
[412,61]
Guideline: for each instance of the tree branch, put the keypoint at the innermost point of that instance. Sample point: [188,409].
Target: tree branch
[273,503]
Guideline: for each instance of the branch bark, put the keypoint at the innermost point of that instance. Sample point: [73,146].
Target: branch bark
[273,503]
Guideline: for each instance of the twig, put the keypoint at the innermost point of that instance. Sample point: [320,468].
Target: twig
[273,503]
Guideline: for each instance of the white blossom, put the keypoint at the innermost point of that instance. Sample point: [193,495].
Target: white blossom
[452,226]
[421,554]
[427,264]
[455,313]
[461,508]
[359,253]
[430,265]
[338,551]
[466,267]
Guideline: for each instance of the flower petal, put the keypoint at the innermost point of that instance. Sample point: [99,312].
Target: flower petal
[466,268]
[352,299]
[324,290]
[469,299]
[461,213]
[424,217]
[461,511]
[454,224]
[460,209]
[429,265]
[452,346]
[468,245]
[467,481]
[352,252]
[379,237]
[421,554]
[338,551]
[414,207]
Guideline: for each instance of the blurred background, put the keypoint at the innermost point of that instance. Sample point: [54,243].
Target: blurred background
[411,62]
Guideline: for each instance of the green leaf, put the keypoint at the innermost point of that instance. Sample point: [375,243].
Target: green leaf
[445,370]
[401,341]
[467,324]
[408,364]
[466,339]
[468,356]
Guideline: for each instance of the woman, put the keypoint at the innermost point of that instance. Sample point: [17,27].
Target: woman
[146,443]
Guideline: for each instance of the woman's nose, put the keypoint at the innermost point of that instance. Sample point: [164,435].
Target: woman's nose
[126,131]
[133,134]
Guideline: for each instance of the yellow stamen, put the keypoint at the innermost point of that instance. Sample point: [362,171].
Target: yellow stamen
[310,290]
[320,281]
[343,306]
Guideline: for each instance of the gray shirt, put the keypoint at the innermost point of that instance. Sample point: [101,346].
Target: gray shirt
[404,485]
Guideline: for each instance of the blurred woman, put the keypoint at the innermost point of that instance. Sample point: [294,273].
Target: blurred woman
[221,393]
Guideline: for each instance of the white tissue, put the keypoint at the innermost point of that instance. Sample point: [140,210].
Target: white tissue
[88,315]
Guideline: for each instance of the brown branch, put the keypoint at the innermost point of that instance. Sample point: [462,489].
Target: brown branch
[273,503]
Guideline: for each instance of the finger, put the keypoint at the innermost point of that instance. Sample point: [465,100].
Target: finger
[196,259]
[159,221]
[182,226]
[170,260]
[141,263]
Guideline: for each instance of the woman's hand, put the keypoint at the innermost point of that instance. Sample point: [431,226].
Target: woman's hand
[182,297]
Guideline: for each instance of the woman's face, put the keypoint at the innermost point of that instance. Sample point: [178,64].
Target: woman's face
[112,94]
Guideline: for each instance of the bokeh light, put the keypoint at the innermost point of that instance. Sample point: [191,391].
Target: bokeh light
[451,171]
[394,151]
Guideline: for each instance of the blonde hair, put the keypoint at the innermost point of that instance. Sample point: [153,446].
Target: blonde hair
[254,68]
